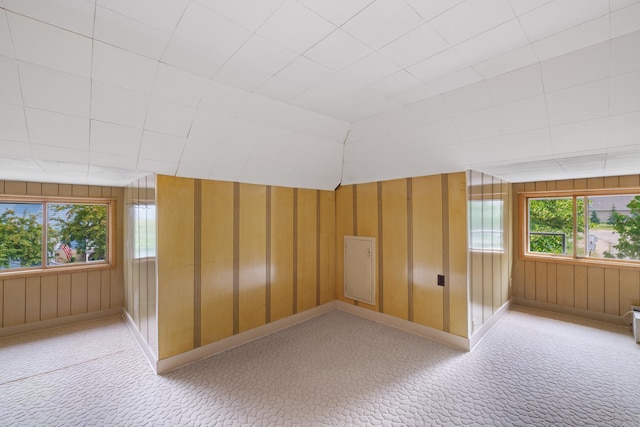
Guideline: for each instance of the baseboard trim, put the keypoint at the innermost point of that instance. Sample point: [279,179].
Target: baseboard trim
[486,327]
[57,322]
[406,326]
[174,362]
[142,344]
[572,311]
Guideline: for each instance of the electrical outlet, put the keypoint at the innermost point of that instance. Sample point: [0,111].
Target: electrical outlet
[440,280]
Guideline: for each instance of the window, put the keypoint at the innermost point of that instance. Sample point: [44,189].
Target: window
[486,225]
[144,234]
[50,233]
[595,226]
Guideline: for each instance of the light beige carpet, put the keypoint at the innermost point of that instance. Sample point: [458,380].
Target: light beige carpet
[533,368]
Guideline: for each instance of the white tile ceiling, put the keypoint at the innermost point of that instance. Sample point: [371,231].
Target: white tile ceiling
[311,93]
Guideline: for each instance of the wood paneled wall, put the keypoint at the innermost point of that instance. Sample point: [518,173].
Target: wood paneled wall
[233,256]
[420,226]
[54,295]
[140,264]
[601,289]
[490,247]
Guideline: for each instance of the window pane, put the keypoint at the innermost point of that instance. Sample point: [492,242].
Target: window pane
[551,225]
[145,231]
[485,232]
[77,233]
[20,235]
[580,223]
[614,227]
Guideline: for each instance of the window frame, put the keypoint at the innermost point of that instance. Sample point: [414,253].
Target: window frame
[44,269]
[574,259]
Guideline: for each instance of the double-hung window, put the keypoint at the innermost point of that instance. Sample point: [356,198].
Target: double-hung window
[44,233]
[591,226]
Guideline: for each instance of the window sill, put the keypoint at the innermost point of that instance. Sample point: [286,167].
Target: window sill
[32,272]
[595,262]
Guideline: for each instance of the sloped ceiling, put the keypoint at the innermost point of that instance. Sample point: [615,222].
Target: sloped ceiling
[312,93]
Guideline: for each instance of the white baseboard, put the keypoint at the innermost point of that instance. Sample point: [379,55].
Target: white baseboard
[166,365]
[578,312]
[407,326]
[144,347]
[57,322]
[486,327]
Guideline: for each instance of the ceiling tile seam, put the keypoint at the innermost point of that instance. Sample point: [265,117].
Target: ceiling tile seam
[117,12]
[252,34]
[43,22]
[22,107]
[610,43]
[567,30]
[601,79]
[436,16]
[206,6]
[93,41]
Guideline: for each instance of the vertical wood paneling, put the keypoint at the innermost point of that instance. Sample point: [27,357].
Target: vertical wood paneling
[18,188]
[49,297]
[497,255]
[252,256]
[612,291]
[117,276]
[105,290]
[530,280]
[93,290]
[79,292]
[457,198]
[595,289]
[511,254]
[477,288]
[95,191]
[427,251]
[327,246]
[518,273]
[367,219]
[32,299]
[487,285]
[541,281]
[217,261]
[80,190]
[599,289]
[565,285]
[629,181]
[580,287]
[611,182]
[34,188]
[580,184]
[552,283]
[394,246]
[596,183]
[14,302]
[565,184]
[175,213]
[49,189]
[629,289]
[65,190]
[344,227]
[281,252]
[307,249]
[476,266]
[64,295]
